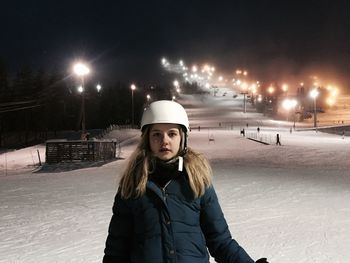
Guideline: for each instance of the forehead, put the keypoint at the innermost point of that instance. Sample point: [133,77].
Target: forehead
[164,127]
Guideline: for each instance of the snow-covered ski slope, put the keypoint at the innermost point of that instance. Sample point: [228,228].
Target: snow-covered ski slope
[289,203]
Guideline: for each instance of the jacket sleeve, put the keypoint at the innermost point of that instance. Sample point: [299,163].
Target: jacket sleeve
[219,241]
[119,239]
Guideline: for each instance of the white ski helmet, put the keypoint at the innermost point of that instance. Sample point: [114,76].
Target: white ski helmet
[165,111]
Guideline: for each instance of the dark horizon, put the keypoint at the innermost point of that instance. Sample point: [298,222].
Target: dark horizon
[126,40]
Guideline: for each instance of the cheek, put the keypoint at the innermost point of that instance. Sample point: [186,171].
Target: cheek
[153,144]
[177,143]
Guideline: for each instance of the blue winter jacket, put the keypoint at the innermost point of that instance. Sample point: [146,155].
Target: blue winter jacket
[169,225]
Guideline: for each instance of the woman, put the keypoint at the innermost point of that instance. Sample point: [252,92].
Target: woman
[166,209]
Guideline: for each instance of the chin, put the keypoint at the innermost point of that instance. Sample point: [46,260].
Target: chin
[165,157]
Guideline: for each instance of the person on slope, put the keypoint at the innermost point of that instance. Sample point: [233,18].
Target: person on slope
[166,208]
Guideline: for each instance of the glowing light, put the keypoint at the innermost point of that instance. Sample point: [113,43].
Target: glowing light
[206,68]
[330,101]
[334,92]
[98,87]
[289,103]
[244,85]
[284,87]
[253,88]
[80,89]
[314,93]
[81,69]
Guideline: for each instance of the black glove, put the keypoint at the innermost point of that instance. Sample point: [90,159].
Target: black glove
[262,260]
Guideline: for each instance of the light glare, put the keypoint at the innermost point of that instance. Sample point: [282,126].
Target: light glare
[81,69]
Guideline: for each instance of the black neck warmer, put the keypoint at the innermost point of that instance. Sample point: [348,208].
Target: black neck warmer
[164,171]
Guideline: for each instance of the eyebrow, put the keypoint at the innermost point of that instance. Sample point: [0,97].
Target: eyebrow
[170,130]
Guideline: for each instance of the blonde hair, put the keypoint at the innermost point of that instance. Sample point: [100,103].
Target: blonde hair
[134,179]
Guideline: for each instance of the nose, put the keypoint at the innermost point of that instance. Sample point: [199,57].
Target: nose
[164,138]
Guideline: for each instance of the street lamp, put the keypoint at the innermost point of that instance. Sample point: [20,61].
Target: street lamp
[314,93]
[289,104]
[133,87]
[284,88]
[98,87]
[294,104]
[80,69]
[244,91]
[80,89]
[148,98]
[176,85]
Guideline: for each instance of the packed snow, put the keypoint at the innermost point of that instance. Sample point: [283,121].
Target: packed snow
[288,203]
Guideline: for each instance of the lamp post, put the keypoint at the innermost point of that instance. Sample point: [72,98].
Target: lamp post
[289,104]
[148,98]
[244,105]
[294,113]
[244,91]
[80,69]
[314,93]
[177,86]
[98,87]
[132,87]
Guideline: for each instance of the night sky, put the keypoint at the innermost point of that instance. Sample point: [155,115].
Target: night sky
[125,40]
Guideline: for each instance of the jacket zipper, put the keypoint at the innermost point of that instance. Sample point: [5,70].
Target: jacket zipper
[163,190]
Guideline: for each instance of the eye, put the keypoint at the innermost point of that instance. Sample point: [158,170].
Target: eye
[155,134]
[173,134]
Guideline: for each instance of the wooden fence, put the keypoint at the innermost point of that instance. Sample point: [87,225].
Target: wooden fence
[77,151]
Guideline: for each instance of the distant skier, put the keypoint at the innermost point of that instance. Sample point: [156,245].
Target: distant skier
[278,141]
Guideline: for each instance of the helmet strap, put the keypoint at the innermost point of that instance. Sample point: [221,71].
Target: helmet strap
[181,164]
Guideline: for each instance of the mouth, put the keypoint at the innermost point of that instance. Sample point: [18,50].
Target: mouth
[164,150]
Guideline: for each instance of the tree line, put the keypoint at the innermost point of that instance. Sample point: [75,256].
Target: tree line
[34,102]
